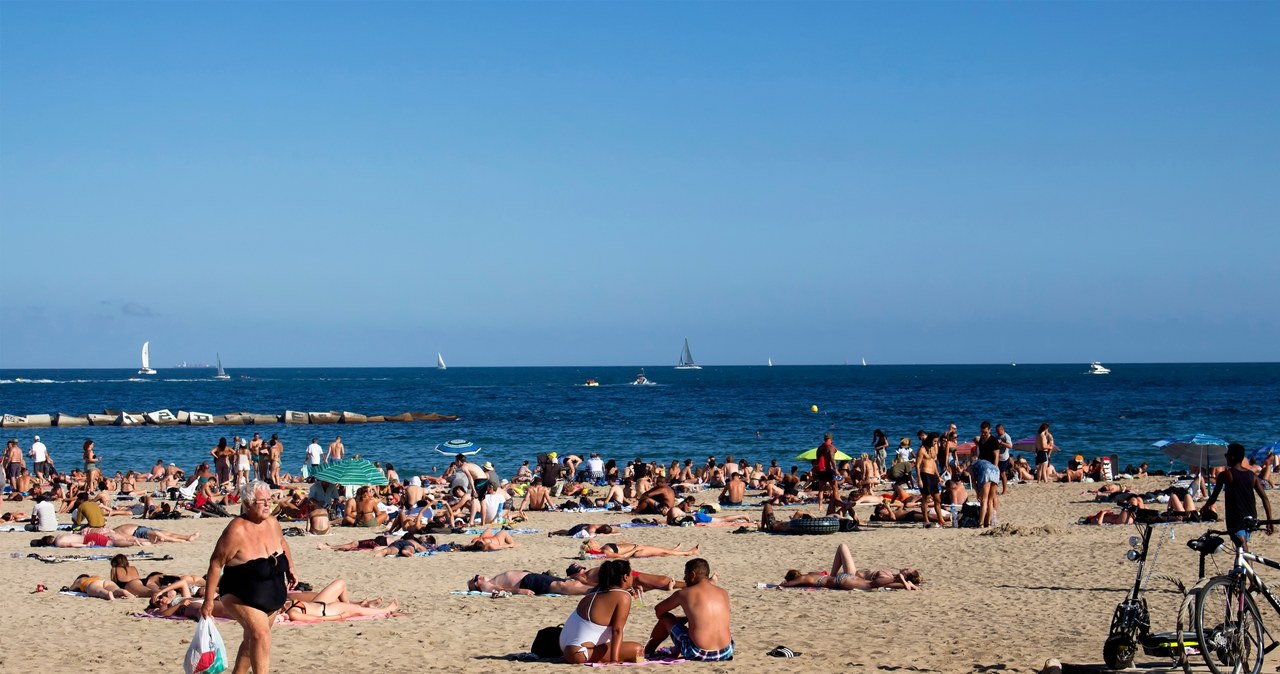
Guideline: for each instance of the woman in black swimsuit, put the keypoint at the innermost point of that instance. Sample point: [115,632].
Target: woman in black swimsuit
[251,567]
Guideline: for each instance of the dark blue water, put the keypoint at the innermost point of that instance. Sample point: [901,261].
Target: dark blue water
[757,413]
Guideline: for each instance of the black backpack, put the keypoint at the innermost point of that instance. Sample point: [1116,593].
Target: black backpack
[969,515]
[546,644]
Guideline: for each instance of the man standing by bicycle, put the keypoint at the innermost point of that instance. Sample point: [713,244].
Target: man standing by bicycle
[1242,486]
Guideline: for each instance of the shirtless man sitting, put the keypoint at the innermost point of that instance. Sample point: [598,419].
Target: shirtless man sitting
[845,575]
[527,583]
[536,497]
[656,500]
[734,491]
[703,632]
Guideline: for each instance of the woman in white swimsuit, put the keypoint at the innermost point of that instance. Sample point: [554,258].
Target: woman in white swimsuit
[593,632]
[243,464]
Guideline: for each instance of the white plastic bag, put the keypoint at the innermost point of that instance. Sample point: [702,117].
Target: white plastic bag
[207,654]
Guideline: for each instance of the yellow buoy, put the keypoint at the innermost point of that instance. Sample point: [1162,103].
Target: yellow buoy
[814,408]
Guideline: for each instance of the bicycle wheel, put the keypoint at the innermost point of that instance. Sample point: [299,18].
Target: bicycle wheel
[1229,628]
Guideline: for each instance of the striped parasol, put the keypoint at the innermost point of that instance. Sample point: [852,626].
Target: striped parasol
[351,473]
[453,447]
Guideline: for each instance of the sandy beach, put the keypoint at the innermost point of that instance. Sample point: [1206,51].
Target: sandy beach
[1037,587]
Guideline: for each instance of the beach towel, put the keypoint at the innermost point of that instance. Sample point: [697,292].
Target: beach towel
[636,664]
[58,559]
[21,528]
[636,525]
[477,593]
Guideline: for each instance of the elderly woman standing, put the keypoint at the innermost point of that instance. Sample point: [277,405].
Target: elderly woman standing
[250,570]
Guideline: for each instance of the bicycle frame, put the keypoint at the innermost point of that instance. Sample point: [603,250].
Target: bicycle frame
[1242,567]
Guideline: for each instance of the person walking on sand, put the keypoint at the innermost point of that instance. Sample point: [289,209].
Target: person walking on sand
[702,633]
[42,464]
[984,473]
[262,459]
[13,464]
[880,443]
[314,456]
[1242,486]
[251,569]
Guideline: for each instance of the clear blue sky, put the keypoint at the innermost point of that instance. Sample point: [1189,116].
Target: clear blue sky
[327,184]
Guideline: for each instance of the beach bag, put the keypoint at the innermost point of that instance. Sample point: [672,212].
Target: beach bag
[207,654]
[969,515]
[546,644]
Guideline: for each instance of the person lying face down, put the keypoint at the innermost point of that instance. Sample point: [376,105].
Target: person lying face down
[527,583]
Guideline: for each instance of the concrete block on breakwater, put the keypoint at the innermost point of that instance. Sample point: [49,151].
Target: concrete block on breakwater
[164,417]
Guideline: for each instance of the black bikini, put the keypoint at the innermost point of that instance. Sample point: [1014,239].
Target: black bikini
[259,583]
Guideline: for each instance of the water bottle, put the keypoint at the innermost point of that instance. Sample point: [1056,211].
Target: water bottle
[955,516]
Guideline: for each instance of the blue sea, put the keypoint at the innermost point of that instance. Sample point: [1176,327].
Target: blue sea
[758,413]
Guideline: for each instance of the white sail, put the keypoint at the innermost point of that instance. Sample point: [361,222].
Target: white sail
[146,359]
[222,374]
[440,362]
[864,362]
[771,361]
[686,359]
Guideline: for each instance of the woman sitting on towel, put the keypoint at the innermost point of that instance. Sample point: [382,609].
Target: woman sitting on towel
[623,550]
[845,575]
[593,632]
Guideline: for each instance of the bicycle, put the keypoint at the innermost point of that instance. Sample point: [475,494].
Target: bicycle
[1228,625]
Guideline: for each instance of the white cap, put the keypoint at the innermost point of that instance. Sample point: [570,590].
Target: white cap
[37,438]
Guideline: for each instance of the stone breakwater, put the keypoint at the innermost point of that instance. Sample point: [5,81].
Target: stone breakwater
[190,418]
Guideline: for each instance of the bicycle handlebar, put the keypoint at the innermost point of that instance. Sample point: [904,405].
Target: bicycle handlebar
[1250,524]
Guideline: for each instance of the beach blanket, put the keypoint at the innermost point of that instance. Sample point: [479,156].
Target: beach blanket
[20,528]
[637,525]
[773,586]
[636,664]
[477,593]
[278,621]
[513,532]
[58,559]
[70,593]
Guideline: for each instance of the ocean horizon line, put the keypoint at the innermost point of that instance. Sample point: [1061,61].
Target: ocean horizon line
[653,366]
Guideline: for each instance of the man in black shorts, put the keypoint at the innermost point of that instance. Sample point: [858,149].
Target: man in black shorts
[528,583]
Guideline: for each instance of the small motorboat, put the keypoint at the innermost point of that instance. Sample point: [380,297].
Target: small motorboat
[641,380]
[1096,368]
[591,382]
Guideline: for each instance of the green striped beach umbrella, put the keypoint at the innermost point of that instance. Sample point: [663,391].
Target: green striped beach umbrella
[351,473]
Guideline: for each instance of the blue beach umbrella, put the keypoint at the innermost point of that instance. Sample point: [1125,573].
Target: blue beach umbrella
[454,447]
[1200,450]
[1260,454]
[351,473]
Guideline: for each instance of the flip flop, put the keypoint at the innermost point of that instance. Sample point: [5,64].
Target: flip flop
[783,652]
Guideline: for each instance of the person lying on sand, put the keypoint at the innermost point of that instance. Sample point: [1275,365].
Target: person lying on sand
[95,586]
[896,512]
[643,581]
[328,611]
[102,538]
[154,535]
[490,540]
[126,576]
[845,575]
[688,512]
[527,583]
[624,550]
[591,529]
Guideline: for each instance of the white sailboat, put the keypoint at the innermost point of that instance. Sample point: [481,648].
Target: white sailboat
[440,362]
[222,374]
[771,361]
[864,362]
[146,359]
[686,359]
